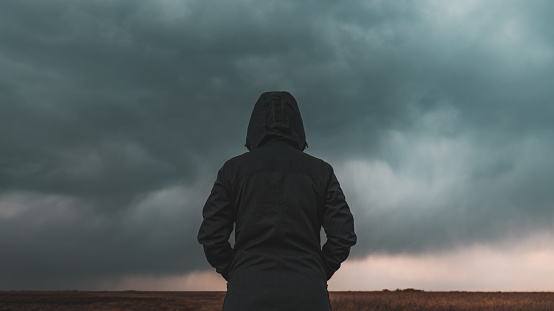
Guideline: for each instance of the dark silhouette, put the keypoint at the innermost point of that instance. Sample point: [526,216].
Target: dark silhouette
[278,198]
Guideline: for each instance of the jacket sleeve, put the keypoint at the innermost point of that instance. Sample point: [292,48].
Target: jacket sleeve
[217,226]
[338,224]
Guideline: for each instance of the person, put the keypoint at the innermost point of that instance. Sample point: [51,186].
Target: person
[277,198]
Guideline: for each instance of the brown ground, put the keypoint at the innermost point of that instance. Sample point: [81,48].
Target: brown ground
[341,301]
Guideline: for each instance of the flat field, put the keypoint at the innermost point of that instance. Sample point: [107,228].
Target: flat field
[341,301]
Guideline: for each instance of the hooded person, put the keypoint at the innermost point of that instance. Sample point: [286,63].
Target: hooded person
[277,198]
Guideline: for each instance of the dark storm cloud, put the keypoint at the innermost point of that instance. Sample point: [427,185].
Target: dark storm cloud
[115,116]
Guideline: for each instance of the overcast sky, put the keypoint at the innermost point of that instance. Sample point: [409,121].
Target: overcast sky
[438,117]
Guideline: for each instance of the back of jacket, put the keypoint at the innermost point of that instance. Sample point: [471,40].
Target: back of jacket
[278,198]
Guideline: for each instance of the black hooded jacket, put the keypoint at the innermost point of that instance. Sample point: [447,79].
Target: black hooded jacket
[277,198]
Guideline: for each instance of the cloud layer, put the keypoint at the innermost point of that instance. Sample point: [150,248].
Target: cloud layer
[115,117]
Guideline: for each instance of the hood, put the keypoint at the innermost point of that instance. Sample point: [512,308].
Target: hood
[275,116]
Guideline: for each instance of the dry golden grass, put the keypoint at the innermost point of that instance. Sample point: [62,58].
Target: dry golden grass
[341,301]
[453,301]
[113,301]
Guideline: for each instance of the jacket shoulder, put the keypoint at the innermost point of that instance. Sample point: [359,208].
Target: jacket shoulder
[241,165]
[323,165]
[232,164]
[236,160]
